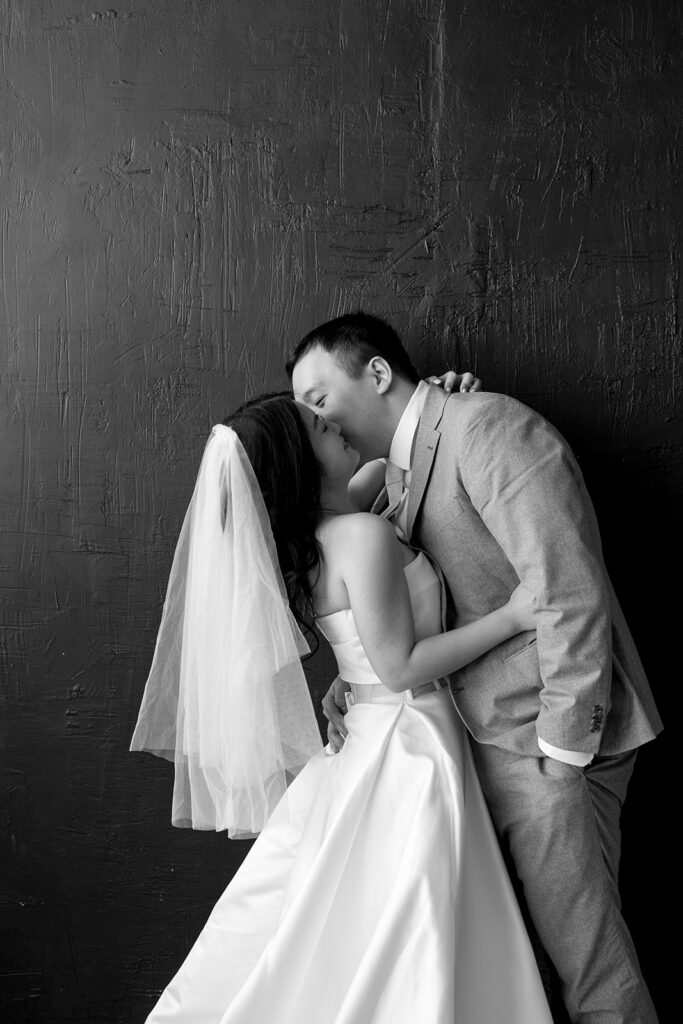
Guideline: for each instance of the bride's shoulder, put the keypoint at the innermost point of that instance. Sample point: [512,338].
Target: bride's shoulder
[358,532]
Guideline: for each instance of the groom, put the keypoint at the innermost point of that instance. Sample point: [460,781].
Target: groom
[492,491]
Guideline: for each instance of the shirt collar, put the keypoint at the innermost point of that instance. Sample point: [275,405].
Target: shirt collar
[402,443]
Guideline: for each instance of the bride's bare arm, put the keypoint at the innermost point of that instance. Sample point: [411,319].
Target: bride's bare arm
[368,557]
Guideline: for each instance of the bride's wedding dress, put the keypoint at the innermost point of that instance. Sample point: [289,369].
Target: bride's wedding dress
[376,894]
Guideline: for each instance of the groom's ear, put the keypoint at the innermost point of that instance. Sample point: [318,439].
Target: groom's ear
[381,374]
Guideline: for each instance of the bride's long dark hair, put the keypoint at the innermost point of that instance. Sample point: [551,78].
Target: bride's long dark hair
[274,437]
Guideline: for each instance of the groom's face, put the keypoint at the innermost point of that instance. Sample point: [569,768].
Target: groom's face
[324,385]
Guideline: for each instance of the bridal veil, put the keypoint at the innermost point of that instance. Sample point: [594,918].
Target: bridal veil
[226,699]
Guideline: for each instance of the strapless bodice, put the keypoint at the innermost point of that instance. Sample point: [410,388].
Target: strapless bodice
[340,630]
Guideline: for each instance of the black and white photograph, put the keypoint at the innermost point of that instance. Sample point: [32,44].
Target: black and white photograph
[341,490]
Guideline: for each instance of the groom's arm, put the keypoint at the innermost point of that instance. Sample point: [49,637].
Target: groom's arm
[526,486]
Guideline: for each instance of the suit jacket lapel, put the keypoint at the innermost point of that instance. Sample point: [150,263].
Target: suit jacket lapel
[426,443]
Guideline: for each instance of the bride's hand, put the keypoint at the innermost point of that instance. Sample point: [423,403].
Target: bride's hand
[521,607]
[452,381]
[334,709]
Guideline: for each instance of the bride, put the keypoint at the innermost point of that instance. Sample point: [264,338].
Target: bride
[375,892]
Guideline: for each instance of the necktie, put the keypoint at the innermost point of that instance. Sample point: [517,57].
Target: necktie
[396,481]
[393,480]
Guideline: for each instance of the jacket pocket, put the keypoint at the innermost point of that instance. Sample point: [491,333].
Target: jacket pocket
[449,513]
[519,649]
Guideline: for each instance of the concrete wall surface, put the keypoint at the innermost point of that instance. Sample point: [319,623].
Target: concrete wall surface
[188,186]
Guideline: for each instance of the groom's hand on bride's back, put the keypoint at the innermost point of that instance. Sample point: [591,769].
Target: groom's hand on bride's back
[334,709]
[452,381]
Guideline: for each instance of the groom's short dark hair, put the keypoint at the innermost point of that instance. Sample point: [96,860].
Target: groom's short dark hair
[355,339]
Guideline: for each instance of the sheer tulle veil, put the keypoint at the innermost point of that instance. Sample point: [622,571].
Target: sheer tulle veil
[226,699]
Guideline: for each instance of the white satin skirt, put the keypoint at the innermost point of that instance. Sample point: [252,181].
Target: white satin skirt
[376,894]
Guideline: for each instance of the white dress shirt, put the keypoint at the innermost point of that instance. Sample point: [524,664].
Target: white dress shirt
[400,458]
[401,451]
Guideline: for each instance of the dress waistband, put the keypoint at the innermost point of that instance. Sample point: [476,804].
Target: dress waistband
[375,693]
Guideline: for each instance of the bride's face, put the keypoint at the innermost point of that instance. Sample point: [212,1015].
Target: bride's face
[339,461]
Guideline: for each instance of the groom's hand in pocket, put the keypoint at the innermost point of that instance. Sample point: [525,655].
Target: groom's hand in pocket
[334,709]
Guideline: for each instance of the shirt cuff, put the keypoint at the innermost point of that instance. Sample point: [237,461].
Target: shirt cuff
[579,758]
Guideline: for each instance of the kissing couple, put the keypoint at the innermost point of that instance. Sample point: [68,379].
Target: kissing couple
[487,680]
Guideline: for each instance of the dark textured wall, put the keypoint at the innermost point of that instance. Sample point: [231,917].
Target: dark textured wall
[187,186]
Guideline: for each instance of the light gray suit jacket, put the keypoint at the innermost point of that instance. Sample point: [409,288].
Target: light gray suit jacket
[496,496]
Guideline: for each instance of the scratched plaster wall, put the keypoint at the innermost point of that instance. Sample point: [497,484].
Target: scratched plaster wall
[187,186]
